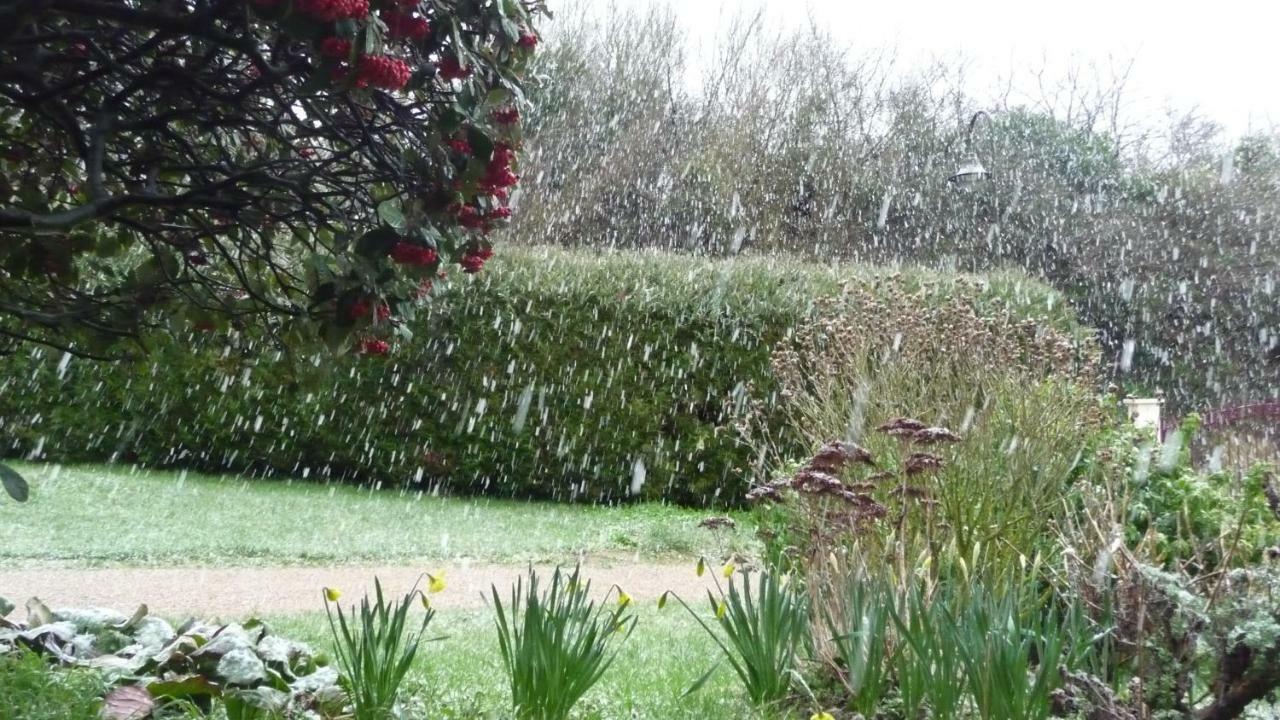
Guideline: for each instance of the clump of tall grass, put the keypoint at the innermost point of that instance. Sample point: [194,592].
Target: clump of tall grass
[557,642]
[373,649]
[761,633]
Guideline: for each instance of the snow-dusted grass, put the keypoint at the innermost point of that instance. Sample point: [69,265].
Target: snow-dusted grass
[101,515]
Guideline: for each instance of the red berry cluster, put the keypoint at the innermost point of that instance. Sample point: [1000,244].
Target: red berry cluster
[407,253]
[460,146]
[332,10]
[474,259]
[506,116]
[373,346]
[336,48]
[450,69]
[382,71]
[498,175]
[403,25]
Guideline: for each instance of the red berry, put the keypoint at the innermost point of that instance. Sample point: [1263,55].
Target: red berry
[450,69]
[383,72]
[336,48]
[331,10]
[527,40]
[460,146]
[409,254]
[374,346]
[506,116]
[382,312]
[359,309]
[403,25]
[500,213]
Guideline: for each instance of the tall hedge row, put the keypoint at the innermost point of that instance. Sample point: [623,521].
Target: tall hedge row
[553,374]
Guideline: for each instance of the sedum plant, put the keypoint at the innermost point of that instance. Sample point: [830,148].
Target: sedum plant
[374,651]
[556,642]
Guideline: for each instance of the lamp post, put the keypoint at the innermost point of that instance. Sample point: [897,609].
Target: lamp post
[971,172]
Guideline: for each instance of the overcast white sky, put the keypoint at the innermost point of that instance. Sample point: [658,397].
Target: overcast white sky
[1222,56]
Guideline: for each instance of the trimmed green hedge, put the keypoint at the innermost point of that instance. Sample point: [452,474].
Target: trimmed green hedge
[553,374]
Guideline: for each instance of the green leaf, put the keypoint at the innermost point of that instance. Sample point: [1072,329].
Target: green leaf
[184,687]
[14,484]
[377,242]
[697,684]
[6,607]
[391,214]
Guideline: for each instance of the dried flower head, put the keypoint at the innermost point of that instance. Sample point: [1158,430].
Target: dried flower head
[918,463]
[717,523]
[897,425]
[933,435]
[835,455]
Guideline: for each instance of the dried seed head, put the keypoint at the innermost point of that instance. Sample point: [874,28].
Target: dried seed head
[762,493]
[918,463]
[718,522]
[894,426]
[932,435]
[833,457]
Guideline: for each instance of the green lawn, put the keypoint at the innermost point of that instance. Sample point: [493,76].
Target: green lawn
[460,676]
[97,514]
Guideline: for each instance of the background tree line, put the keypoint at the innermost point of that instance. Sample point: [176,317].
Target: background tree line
[1162,234]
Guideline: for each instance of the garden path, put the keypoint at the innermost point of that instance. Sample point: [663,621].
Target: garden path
[239,592]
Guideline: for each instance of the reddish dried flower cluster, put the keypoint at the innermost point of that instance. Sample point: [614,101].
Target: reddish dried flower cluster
[450,69]
[832,457]
[332,10]
[506,116]
[407,253]
[382,71]
[336,48]
[527,40]
[402,25]
[473,260]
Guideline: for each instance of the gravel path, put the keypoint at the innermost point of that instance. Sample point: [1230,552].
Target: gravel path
[236,593]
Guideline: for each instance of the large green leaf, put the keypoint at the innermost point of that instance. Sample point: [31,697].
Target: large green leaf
[184,687]
[14,484]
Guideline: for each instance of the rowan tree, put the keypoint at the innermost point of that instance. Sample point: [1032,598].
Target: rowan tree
[302,168]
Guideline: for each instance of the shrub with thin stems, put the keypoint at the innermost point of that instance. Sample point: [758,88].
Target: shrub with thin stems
[373,650]
[557,643]
[760,634]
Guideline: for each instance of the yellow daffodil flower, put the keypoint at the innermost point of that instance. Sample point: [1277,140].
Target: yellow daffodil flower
[721,610]
[728,570]
[435,583]
[702,566]
[822,716]
[332,594]
[623,599]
